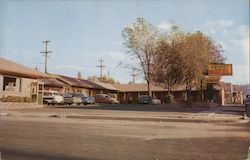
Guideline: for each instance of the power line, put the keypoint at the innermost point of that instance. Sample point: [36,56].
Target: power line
[101,67]
[46,54]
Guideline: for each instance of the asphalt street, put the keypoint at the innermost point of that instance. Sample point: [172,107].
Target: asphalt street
[41,138]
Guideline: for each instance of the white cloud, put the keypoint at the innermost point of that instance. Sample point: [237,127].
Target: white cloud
[244,30]
[240,75]
[241,41]
[235,40]
[165,26]
[245,0]
[217,26]
[221,23]
[245,45]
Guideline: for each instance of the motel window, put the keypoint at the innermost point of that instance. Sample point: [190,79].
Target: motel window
[9,83]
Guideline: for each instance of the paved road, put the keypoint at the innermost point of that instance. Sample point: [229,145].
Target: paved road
[34,138]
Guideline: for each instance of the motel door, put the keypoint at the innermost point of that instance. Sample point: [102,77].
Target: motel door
[40,94]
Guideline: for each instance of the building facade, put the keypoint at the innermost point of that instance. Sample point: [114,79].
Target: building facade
[18,80]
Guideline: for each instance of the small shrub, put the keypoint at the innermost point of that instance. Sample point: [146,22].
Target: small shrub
[169,98]
[16,99]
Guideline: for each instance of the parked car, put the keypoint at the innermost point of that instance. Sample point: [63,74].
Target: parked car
[247,104]
[88,100]
[68,99]
[52,97]
[144,99]
[104,98]
[247,100]
[72,98]
[155,101]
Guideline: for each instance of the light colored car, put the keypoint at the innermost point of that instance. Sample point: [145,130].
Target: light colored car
[52,97]
[105,98]
[73,98]
[88,100]
[155,101]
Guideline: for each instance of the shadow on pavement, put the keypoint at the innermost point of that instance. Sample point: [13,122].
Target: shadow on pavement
[22,155]
[137,107]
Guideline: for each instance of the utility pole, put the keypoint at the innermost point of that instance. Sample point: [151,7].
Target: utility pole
[101,67]
[46,54]
[36,68]
[133,75]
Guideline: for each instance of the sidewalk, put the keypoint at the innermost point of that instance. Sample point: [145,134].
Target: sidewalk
[17,105]
[201,117]
[159,113]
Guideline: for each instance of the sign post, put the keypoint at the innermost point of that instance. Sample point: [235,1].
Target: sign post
[214,73]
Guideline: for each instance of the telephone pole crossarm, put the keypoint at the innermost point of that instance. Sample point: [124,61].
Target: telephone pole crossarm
[101,67]
[45,53]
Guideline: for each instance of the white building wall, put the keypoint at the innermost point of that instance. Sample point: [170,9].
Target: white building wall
[1,81]
[1,86]
[25,87]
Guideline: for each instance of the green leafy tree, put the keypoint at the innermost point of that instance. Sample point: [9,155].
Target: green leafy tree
[198,51]
[168,61]
[170,58]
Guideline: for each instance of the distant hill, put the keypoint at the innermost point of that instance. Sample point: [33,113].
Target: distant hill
[245,89]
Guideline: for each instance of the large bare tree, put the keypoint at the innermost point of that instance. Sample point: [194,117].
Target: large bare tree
[141,39]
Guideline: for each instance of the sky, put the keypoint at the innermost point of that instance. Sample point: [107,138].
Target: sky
[83,31]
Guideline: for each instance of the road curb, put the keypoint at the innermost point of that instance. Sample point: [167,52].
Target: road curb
[147,119]
[155,119]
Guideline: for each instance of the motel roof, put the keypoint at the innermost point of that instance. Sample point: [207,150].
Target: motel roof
[10,68]
[73,81]
[142,87]
[139,87]
[94,85]
[52,82]
[106,86]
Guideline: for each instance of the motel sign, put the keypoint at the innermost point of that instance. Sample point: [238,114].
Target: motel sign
[220,70]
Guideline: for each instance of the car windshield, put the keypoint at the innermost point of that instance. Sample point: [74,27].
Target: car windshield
[47,93]
[144,97]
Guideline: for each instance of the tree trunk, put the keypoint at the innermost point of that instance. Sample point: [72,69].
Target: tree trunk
[149,89]
[201,90]
[169,90]
[188,93]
